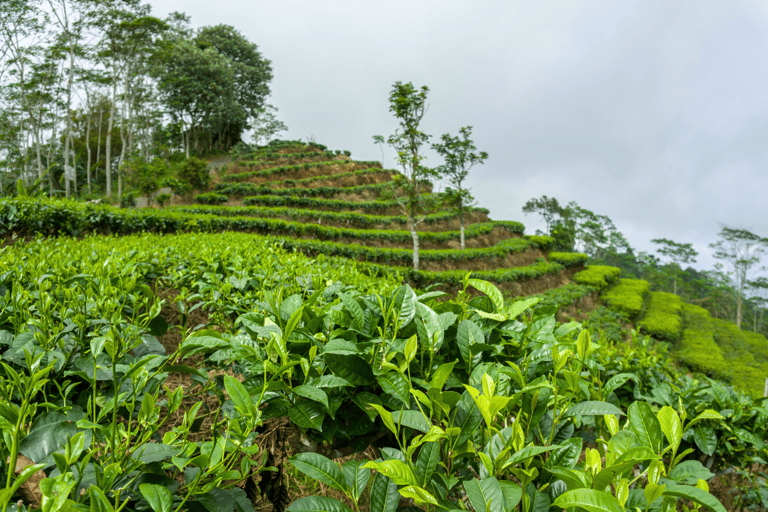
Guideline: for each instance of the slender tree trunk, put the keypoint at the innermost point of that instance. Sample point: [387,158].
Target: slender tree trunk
[88,140]
[98,146]
[415,237]
[110,126]
[461,220]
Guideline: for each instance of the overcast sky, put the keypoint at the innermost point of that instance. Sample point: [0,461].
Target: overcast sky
[653,113]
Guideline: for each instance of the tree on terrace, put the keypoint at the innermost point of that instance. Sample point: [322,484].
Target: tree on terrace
[409,104]
[460,155]
[741,250]
[678,253]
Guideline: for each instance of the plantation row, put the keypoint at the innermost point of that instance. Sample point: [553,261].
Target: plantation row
[354,219]
[27,217]
[381,207]
[249,189]
[711,346]
[350,357]
[340,168]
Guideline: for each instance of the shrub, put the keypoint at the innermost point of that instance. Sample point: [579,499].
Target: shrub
[567,259]
[627,297]
[697,348]
[128,199]
[174,184]
[606,325]
[145,177]
[662,318]
[211,198]
[163,199]
[599,276]
[194,172]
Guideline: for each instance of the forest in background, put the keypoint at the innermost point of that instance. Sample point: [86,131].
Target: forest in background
[89,86]
[733,290]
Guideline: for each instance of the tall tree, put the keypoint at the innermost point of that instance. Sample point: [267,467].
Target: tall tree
[741,250]
[408,104]
[460,155]
[194,84]
[679,254]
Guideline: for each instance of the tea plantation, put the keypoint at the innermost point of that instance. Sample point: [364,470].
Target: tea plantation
[267,345]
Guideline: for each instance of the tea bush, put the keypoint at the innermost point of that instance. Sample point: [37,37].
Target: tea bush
[697,348]
[211,198]
[599,276]
[662,317]
[627,297]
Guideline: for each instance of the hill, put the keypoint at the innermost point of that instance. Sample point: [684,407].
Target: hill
[272,309]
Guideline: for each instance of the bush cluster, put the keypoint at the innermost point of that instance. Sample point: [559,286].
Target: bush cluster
[697,348]
[211,198]
[567,259]
[599,276]
[662,317]
[627,297]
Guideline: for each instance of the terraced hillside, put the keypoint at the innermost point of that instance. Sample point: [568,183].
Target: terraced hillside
[321,201]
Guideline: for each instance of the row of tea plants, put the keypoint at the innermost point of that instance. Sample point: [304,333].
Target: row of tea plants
[473,404]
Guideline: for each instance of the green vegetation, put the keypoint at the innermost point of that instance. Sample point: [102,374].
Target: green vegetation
[627,296]
[662,317]
[211,198]
[599,276]
[698,349]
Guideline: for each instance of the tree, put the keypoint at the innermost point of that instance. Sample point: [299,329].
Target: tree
[678,253]
[267,125]
[250,87]
[548,207]
[460,155]
[741,250]
[408,104]
[194,84]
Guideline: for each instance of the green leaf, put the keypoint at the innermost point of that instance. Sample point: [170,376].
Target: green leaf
[312,393]
[412,419]
[320,468]
[397,470]
[670,425]
[318,504]
[427,461]
[518,307]
[696,495]
[527,453]
[99,500]
[592,408]
[196,344]
[428,324]
[513,493]
[645,425]
[419,495]
[492,292]
[467,335]
[705,438]
[356,476]
[689,472]
[366,400]
[485,495]
[307,414]
[353,369]
[394,384]
[354,309]
[386,418]
[384,495]
[405,305]
[442,374]
[158,497]
[590,500]
[239,396]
